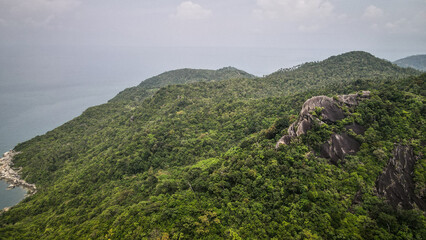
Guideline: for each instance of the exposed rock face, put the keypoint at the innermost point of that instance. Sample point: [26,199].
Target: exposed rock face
[286,139]
[338,146]
[396,182]
[330,110]
[341,144]
[353,99]
[303,126]
[356,128]
[323,109]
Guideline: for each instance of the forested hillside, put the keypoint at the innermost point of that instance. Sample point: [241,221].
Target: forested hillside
[198,160]
[417,62]
[148,87]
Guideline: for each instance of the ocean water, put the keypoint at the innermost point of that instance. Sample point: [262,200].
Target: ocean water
[42,87]
[10,197]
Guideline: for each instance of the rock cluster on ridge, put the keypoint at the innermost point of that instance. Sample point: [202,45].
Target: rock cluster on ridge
[323,109]
[395,183]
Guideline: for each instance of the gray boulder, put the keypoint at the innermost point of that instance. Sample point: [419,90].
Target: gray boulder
[323,109]
[356,128]
[396,183]
[330,112]
[338,146]
[353,99]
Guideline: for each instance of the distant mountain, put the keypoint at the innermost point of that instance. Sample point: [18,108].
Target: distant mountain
[333,73]
[191,154]
[417,62]
[180,76]
[340,70]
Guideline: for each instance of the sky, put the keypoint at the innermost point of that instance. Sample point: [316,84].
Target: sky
[59,57]
[382,25]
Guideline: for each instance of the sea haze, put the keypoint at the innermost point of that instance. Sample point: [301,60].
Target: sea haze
[44,87]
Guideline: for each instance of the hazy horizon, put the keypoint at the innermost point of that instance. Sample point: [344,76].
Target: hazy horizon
[42,88]
[59,57]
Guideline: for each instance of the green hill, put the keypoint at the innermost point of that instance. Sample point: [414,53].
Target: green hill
[417,62]
[180,76]
[198,160]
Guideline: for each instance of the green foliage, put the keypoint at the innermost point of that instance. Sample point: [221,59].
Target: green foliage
[417,62]
[182,76]
[198,161]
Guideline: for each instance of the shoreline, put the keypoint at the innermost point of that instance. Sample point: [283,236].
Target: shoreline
[8,174]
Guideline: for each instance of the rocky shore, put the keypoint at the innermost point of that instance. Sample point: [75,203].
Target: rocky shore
[11,176]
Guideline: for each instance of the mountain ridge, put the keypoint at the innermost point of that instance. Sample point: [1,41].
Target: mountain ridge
[179,76]
[415,61]
[198,160]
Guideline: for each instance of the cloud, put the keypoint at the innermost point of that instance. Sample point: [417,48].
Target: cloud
[394,22]
[294,10]
[398,24]
[33,12]
[307,15]
[190,10]
[373,12]
[412,24]
[309,28]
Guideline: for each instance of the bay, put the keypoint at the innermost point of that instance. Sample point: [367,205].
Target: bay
[10,197]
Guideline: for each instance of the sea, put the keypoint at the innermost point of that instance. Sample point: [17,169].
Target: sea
[10,197]
[42,87]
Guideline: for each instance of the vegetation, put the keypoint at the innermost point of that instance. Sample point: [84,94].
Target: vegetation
[148,87]
[417,62]
[198,160]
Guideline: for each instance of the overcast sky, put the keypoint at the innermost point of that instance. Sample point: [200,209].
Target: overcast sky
[345,24]
[58,57]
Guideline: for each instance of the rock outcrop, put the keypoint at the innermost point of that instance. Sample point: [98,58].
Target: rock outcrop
[396,183]
[330,111]
[323,109]
[338,146]
[341,144]
[11,176]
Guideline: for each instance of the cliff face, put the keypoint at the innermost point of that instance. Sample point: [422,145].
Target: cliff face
[323,109]
[338,146]
[396,182]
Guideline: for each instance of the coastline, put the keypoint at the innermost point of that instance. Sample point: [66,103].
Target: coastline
[8,174]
